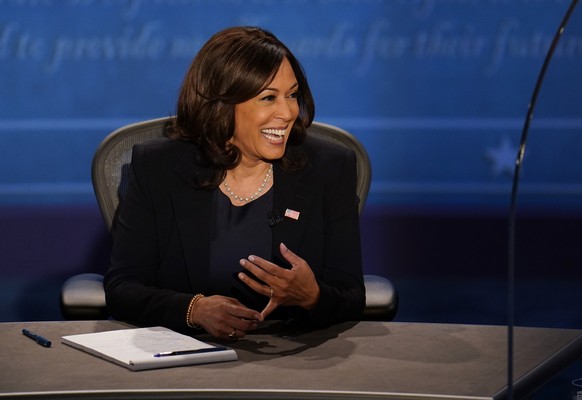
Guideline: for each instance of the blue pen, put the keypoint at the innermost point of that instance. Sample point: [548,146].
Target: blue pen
[37,338]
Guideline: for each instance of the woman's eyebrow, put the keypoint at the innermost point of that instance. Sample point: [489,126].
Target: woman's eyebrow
[276,90]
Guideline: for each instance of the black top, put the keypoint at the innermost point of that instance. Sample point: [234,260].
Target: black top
[237,232]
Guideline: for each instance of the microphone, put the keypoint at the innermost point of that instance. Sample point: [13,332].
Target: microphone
[274,217]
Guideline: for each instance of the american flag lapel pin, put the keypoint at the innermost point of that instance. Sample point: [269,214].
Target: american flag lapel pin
[292,214]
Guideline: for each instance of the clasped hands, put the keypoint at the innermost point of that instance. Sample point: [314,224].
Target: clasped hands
[226,317]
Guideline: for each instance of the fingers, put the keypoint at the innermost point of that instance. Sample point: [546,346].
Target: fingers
[261,268]
[268,272]
[226,317]
[296,286]
[269,308]
[265,290]
[239,311]
[241,320]
[237,328]
[291,257]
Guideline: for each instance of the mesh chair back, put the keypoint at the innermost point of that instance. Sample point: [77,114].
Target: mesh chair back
[112,158]
[363,166]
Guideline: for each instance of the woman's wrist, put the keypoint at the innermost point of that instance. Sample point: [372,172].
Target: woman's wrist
[191,311]
[314,299]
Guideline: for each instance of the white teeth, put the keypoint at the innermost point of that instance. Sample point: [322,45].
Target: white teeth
[277,132]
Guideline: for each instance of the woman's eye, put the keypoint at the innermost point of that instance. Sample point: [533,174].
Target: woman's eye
[272,97]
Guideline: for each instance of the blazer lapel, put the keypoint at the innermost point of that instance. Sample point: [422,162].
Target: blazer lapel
[294,198]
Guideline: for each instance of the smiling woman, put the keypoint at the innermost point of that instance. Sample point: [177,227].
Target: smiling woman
[194,247]
[263,123]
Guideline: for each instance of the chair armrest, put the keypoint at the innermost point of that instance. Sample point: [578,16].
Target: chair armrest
[83,297]
[381,299]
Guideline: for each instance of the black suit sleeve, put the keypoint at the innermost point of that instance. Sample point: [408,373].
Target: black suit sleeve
[131,283]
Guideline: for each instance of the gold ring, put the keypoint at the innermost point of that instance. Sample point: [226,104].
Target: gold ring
[271,294]
[232,334]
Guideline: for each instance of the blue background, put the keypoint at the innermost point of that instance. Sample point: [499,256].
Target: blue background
[436,90]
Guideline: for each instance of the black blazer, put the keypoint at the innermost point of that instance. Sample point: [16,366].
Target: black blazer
[161,242]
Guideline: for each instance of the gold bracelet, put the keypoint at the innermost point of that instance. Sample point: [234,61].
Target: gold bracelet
[190,309]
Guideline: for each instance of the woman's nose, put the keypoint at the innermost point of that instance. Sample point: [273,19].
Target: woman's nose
[285,110]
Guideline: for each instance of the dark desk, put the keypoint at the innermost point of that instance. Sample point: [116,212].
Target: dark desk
[367,360]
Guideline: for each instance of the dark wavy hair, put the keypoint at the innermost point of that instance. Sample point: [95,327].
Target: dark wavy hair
[235,65]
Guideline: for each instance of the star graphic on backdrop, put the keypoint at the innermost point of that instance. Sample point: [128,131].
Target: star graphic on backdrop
[502,157]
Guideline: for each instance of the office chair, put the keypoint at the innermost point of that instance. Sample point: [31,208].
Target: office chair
[83,296]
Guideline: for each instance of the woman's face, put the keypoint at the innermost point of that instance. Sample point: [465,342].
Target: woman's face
[263,123]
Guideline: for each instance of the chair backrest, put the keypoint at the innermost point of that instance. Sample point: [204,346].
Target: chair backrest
[109,168]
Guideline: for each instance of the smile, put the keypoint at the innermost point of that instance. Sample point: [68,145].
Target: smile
[274,135]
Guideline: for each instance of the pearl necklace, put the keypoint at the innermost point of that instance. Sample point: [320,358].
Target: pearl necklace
[254,195]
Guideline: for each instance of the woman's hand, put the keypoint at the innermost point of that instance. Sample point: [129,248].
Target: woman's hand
[225,317]
[291,287]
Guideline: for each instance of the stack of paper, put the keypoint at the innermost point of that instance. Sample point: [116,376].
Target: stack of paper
[149,348]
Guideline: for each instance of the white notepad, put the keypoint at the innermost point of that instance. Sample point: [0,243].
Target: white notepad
[149,348]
